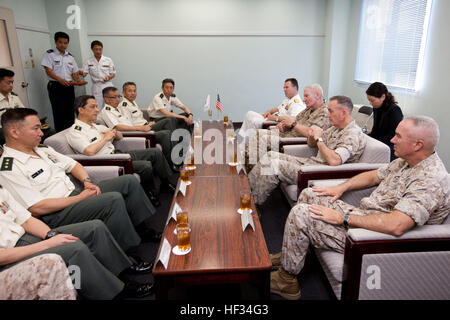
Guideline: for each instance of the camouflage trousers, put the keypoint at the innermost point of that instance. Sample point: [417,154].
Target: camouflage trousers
[274,168]
[262,142]
[301,230]
[44,277]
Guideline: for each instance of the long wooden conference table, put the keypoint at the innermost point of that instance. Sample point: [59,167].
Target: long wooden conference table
[221,253]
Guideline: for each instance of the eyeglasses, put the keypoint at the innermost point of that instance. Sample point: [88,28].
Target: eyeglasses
[115,97]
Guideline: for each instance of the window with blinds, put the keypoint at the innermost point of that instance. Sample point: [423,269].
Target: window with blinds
[392,38]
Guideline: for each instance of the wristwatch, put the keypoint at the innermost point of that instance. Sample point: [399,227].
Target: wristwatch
[87,180]
[190,114]
[293,124]
[51,234]
[319,139]
[346,220]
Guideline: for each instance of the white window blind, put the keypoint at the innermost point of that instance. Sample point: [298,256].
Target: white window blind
[392,38]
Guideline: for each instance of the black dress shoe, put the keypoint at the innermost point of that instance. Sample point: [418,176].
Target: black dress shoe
[167,187]
[150,235]
[135,290]
[139,266]
[154,200]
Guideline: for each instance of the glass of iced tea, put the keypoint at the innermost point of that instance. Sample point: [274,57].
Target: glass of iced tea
[183,238]
[245,201]
[190,161]
[184,175]
[182,217]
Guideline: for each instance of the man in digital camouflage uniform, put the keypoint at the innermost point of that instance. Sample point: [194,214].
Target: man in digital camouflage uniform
[412,190]
[343,142]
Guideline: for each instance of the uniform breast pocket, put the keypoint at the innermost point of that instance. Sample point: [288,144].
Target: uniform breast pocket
[39,177]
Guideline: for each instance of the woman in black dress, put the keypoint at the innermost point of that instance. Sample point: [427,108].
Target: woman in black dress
[386,114]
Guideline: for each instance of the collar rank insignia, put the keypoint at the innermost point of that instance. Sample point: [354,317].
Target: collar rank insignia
[161,95]
[4,207]
[52,158]
[108,108]
[7,164]
[124,104]
[296,101]
[77,128]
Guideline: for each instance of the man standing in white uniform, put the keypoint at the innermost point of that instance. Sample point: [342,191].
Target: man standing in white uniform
[102,71]
[290,107]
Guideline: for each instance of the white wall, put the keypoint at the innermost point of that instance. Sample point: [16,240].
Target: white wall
[243,50]
[433,99]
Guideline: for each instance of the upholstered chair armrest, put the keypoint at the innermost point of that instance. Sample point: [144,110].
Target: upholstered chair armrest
[422,240]
[421,232]
[300,150]
[98,174]
[291,141]
[131,143]
[120,160]
[320,172]
[149,135]
[268,124]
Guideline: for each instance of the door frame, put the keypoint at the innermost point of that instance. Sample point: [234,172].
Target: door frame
[7,15]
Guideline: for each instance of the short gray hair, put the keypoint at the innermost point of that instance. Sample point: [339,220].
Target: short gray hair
[344,102]
[316,88]
[425,128]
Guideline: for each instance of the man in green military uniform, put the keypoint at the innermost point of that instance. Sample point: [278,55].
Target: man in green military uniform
[132,113]
[87,245]
[37,178]
[87,138]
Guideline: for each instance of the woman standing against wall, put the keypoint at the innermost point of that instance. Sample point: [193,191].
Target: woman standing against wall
[386,114]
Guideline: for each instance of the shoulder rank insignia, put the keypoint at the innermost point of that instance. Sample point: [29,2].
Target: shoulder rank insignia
[77,128]
[93,139]
[50,51]
[7,164]
[296,101]
[173,95]
[108,108]
[161,95]
[124,104]
[42,146]
[14,94]
[69,54]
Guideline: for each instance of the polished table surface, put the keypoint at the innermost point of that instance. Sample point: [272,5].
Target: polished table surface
[221,251]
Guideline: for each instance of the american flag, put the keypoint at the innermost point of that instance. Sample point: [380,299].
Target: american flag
[218,105]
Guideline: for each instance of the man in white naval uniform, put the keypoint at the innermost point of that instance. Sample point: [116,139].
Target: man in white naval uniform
[102,71]
[290,107]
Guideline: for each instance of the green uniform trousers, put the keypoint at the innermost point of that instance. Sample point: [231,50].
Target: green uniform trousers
[97,254]
[163,138]
[146,162]
[178,123]
[122,205]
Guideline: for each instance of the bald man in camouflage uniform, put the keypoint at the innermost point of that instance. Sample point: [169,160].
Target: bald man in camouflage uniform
[315,114]
[344,142]
[412,190]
